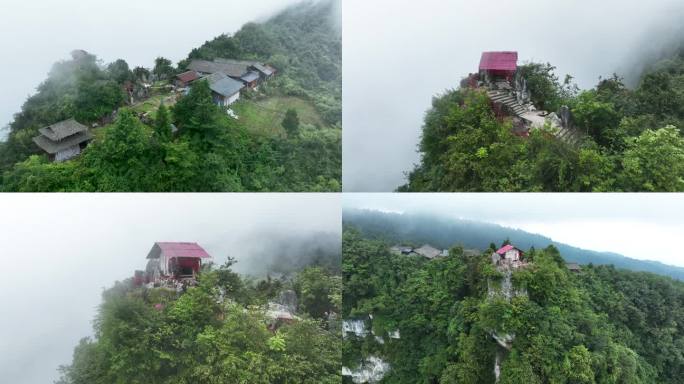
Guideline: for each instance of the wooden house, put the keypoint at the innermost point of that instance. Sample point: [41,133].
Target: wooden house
[64,140]
[175,260]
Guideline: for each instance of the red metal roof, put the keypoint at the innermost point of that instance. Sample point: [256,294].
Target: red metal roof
[499,61]
[182,250]
[187,77]
[506,248]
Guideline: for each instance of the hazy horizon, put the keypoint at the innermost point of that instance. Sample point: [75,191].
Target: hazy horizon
[65,249]
[398,55]
[638,226]
[136,31]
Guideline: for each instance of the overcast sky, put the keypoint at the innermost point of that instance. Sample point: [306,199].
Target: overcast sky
[399,54]
[36,33]
[641,226]
[59,251]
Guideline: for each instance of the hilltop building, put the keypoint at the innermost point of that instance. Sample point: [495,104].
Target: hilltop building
[176,261]
[498,66]
[509,256]
[64,140]
[573,267]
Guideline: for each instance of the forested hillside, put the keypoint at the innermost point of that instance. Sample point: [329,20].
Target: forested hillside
[602,325]
[287,136]
[217,332]
[632,138]
[442,232]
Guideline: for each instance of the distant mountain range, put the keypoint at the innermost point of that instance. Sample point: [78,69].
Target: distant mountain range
[444,232]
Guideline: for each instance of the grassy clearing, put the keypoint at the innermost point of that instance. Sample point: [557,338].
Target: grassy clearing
[264,117]
[152,104]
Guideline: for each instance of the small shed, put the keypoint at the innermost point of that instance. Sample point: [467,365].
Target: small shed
[498,65]
[175,260]
[574,267]
[64,140]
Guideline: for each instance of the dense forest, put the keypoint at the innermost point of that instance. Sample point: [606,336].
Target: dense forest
[601,325]
[445,232]
[631,138]
[194,145]
[216,332]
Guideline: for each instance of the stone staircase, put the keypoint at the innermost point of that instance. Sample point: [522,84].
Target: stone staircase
[508,101]
[567,135]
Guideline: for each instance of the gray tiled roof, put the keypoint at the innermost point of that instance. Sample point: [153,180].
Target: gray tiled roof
[63,129]
[224,85]
[232,68]
[250,76]
[53,146]
[267,71]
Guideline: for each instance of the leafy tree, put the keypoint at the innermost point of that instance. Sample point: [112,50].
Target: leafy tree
[163,68]
[291,122]
[119,71]
[319,292]
[657,95]
[162,124]
[596,118]
[141,74]
[655,161]
[95,99]
[546,90]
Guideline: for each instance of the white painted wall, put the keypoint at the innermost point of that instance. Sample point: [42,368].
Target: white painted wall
[513,254]
[233,99]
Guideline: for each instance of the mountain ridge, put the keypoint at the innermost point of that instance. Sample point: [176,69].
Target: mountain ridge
[477,234]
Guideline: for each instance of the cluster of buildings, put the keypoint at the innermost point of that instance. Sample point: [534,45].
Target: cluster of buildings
[226,77]
[427,251]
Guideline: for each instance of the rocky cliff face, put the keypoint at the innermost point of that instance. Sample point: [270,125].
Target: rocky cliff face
[504,288]
[373,368]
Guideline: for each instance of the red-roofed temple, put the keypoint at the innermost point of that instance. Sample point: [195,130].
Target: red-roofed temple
[498,65]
